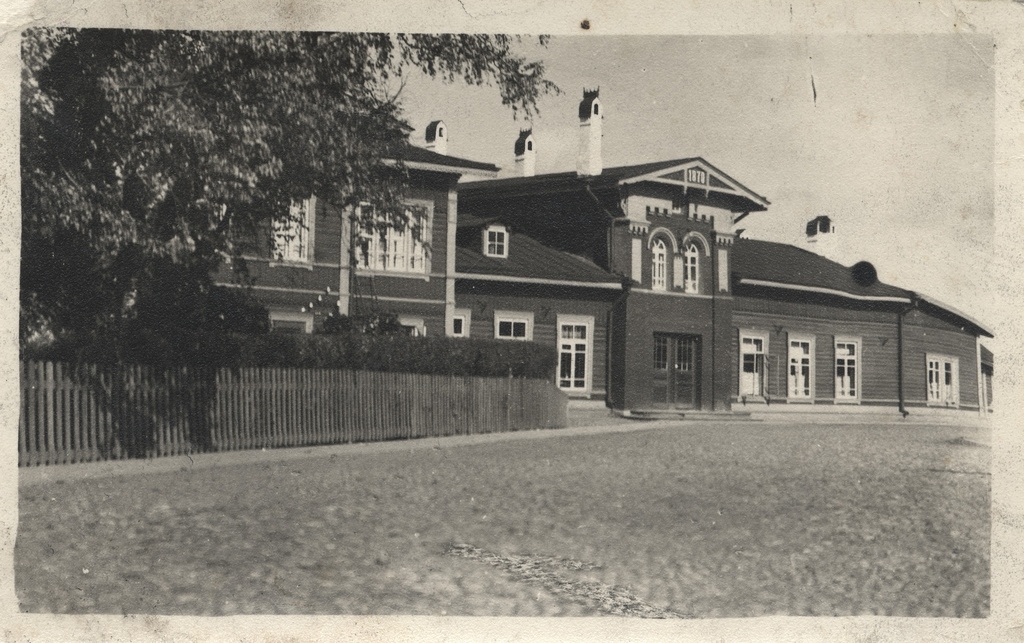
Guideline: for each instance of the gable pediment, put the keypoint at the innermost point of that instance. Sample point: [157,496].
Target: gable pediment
[698,173]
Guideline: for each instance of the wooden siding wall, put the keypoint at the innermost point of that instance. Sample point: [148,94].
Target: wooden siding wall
[545,319]
[877,329]
[919,340]
[87,413]
[878,358]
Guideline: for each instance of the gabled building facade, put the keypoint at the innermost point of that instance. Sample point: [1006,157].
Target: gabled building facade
[638,278]
[313,263]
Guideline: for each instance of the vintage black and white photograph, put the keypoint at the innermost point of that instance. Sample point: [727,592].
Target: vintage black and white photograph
[461,324]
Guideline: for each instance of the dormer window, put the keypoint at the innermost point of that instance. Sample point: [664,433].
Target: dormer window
[496,241]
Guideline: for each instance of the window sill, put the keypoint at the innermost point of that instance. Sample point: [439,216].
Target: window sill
[363,272]
[942,405]
[844,401]
[799,400]
[304,265]
[575,392]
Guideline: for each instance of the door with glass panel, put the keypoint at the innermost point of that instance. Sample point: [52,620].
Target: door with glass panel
[752,366]
[574,357]
[800,378]
[676,371]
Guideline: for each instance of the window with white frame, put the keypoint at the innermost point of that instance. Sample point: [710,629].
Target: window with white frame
[575,349]
[496,241]
[753,363]
[394,249]
[847,352]
[943,380]
[691,268]
[513,325]
[293,234]
[414,326]
[460,322]
[282,321]
[659,265]
[801,368]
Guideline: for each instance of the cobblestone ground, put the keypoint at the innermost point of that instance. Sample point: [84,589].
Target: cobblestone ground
[692,521]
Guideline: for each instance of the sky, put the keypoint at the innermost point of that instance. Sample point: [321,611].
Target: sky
[891,136]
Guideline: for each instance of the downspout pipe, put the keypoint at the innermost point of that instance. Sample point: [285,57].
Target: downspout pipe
[626,283]
[714,339]
[899,355]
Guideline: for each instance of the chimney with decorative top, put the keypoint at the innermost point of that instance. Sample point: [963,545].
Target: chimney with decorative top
[437,137]
[588,159]
[526,155]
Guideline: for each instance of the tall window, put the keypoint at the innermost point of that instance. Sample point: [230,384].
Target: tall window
[660,352]
[393,249]
[496,241]
[513,325]
[293,235]
[659,265]
[752,364]
[801,365]
[691,272]
[847,369]
[943,380]
[574,351]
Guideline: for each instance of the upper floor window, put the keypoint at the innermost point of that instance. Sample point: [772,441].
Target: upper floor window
[659,265]
[691,268]
[293,234]
[395,249]
[496,241]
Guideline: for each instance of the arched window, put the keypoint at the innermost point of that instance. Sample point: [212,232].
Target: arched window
[691,268]
[659,265]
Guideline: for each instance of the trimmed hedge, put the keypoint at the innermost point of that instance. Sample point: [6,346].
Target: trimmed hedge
[393,353]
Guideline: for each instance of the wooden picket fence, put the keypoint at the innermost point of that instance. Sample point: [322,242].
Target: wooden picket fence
[84,413]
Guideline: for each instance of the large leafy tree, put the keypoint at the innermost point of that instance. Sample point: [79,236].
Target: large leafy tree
[145,154]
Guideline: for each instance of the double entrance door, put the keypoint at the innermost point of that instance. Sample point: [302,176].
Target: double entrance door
[676,372]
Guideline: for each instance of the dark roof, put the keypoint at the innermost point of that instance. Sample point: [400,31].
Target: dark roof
[786,264]
[571,181]
[530,259]
[419,155]
[781,263]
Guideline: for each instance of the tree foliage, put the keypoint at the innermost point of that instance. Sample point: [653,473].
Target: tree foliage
[148,149]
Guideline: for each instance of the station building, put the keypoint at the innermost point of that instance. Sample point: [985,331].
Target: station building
[640,279]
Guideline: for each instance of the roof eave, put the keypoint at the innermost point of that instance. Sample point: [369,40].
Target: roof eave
[606,285]
[949,309]
[445,169]
[821,290]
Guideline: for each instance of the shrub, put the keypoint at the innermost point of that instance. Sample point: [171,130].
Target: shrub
[393,353]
